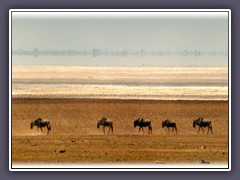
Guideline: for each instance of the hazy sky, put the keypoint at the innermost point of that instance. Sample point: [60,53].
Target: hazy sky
[132,31]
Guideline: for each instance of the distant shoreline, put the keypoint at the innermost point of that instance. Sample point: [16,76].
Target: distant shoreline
[111,99]
[156,83]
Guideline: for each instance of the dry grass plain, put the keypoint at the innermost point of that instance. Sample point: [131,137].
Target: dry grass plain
[75,138]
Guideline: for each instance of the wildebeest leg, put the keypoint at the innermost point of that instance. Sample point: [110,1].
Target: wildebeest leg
[109,129]
[103,129]
[199,129]
[41,129]
[210,127]
[166,130]
[175,129]
[149,129]
[140,129]
[112,127]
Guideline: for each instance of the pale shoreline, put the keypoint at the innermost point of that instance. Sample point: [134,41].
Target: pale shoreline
[158,83]
[116,99]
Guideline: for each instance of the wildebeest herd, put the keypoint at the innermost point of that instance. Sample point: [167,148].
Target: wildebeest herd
[140,122]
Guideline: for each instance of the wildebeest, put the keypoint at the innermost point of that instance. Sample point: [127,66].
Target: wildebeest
[169,124]
[105,122]
[202,123]
[40,123]
[143,123]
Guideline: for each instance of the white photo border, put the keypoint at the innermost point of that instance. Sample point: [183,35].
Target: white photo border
[121,167]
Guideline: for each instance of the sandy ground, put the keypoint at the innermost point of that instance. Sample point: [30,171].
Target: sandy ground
[75,138]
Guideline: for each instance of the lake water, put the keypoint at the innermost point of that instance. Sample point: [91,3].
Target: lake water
[160,83]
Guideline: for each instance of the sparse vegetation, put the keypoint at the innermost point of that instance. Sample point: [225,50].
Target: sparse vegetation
[75,137]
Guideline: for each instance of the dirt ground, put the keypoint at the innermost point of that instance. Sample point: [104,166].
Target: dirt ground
[75,138]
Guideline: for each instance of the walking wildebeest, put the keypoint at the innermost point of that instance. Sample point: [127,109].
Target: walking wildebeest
[202,123]
[142,123]
[105,122]
[40,123]
[169,124]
